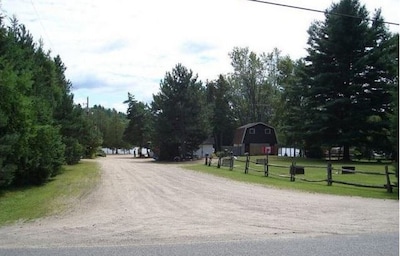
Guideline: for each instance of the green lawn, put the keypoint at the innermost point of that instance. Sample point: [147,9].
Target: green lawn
[54,197]
[315,170]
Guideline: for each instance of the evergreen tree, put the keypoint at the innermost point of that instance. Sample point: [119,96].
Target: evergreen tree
[393,50]
[34,150]
[291,114]
[139,129]
[68,116]
[219,96]
[347,90]
[180,113]
[15,125]
[40,128]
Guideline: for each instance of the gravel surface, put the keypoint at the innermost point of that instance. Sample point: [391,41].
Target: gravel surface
[141,202]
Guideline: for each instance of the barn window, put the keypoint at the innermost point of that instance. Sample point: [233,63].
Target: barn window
[267,131]
[252,131]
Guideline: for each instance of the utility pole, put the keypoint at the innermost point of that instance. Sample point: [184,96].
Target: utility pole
[87,105]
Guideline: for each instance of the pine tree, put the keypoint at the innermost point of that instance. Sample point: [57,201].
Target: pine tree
[347,90]
[139,129]
[181,114]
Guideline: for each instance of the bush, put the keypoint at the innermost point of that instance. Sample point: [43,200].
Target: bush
[73,151]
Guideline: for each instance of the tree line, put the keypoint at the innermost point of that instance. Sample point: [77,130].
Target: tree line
[344,93]
[40,127]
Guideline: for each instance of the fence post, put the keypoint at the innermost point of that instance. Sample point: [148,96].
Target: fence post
[209,160]
[266,171]
[389,187]
[246,168]
[397,176]
[292,172]
[219,161]
[206,163]
[231,162]
[329,174]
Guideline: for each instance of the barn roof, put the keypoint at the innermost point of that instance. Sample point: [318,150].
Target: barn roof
[241,131]
[252,124]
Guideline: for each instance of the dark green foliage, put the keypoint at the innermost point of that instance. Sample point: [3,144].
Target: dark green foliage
[73,150]
[348,85]
[393,55]
[180,112]
[40,128]
[219,96]
[14,121]
[45,157]
[139,130]
[290,115]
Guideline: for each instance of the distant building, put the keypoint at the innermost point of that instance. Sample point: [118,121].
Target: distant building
[207,147]
[255,139]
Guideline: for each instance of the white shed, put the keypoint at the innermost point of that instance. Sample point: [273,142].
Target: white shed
[207,147]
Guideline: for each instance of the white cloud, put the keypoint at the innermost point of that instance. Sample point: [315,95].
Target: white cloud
[111,48]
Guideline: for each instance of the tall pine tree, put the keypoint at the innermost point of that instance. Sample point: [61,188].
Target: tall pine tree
[139,129]
[348,87]
[181,113]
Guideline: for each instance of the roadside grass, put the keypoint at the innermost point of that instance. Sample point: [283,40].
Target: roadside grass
[24,204]
[315,170]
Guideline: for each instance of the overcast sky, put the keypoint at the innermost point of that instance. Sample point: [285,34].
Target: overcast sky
[114,47]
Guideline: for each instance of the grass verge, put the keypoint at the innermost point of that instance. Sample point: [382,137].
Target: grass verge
[24,204]
[314,170]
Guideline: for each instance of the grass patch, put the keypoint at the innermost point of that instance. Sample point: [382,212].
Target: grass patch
[24,204]
[314,170]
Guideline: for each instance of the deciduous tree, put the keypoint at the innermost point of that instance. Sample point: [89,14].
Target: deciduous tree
[255,91]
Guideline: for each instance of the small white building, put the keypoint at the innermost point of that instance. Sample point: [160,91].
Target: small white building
[207,147]
[290,152]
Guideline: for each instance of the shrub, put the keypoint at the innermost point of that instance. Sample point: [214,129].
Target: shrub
[73,150]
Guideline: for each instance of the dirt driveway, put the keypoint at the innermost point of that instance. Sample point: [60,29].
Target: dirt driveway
[143,202]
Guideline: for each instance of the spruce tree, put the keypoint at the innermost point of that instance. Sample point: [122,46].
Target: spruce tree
[347,90]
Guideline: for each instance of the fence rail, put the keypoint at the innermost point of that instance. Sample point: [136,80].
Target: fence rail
[294,169]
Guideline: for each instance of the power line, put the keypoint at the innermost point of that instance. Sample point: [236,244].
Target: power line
[319,11]
[41,24]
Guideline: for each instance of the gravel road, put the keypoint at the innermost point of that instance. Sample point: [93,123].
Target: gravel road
[141,202]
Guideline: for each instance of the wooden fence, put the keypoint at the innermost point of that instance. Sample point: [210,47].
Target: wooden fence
[294,169]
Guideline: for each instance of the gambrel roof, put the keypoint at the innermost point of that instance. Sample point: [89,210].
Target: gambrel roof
[263,133]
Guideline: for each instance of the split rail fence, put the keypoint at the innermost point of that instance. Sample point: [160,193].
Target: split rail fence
[248,165]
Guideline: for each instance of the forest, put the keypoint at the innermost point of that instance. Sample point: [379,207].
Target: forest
[344,93]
